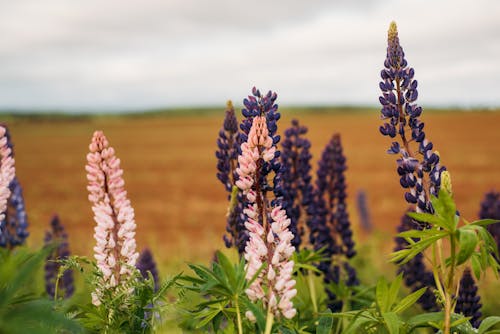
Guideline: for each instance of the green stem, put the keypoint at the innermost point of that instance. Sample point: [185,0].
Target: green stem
[238,316]
[436,274]
[269,321]
[447,314]
[312,290]
[449,290]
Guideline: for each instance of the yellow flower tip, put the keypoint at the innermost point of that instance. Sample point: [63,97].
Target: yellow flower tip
[446,182]
[229,104]
[393,31]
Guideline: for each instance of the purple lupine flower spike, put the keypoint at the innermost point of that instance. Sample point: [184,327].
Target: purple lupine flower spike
[363,212]
[146,263]
[330,227]
[13,220]
[269,240]
[490,209]
[468,301]
[227,160]
[58,235]
[417,166]
[296,184]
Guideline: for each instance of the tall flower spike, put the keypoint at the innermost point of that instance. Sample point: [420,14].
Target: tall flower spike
[227,159]
[490,209]
[402,116]
[13,219]
[115,249]
[468,301]
[146,263]
[330,227]
[363,212]
[419,167]
[58,234]
[296,184]
[269,237]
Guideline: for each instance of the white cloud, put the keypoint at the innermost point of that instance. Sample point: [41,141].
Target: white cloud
[130,54]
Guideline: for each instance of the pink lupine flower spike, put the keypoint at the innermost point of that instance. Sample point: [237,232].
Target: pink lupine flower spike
[115,249]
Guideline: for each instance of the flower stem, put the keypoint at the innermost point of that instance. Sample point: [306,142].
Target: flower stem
[238,316]
[312,290]
[269,321]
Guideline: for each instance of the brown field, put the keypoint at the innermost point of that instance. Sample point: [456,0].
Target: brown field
[170,170]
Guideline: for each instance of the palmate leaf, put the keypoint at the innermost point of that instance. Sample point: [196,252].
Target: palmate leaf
[405,255]
[21,311]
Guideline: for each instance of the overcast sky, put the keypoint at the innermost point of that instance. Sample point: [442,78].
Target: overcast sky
[124,55]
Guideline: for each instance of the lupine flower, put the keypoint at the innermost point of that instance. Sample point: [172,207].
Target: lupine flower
[419,168]
[490,209]
[402,115]
[415,274]
[13,218]
[115,250]
[59,235]
[330,227]
[269,238]
[7,171]
[146,264]
[227,159]
[296,179]
[468,301]
[363,212]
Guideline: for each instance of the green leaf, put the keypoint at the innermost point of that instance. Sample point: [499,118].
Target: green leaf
[459,321]
[468,241]
[431,219]
[424,319]
[325,324]
[393,291]
[228,269]
[485,222]
[476,265]
[405,255]
[257,312]
[409,300]
[392,322]
[488,323]
[381,294]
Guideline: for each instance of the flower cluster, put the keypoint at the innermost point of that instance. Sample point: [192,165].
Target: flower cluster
[490,209]
[420,172]
[296,184]
[13,218]
[402,115]
[227,159]
[269,238]
[363,212]
[468,301]
[146,263]
[258,104]
[330,227]
[58,235]
[115,250]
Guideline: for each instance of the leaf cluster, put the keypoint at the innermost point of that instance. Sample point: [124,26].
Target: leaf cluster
[22,310]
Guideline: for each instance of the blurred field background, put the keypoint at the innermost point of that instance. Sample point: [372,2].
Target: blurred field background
[169,169]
